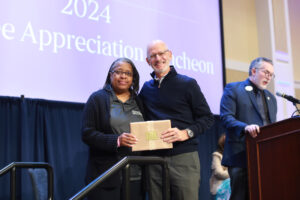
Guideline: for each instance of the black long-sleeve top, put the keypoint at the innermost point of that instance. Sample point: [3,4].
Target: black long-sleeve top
[178,98]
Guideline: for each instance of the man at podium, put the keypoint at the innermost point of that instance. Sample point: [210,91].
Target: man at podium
[245,106]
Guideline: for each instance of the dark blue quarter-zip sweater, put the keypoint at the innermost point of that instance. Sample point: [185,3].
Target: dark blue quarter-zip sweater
[178,98]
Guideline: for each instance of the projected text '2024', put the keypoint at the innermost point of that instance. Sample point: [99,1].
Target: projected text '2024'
[87,8]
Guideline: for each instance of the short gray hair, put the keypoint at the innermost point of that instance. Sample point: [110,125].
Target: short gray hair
[256,63]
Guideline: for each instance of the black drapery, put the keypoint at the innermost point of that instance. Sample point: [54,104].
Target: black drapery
[35,130]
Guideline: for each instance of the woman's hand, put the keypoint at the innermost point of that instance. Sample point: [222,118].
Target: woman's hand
[127,140]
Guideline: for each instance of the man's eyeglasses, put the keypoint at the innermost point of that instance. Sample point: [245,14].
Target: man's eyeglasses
[160,54]
[119,73]
[267,73]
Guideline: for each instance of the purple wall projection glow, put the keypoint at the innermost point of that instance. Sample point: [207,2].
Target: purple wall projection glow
[62,50]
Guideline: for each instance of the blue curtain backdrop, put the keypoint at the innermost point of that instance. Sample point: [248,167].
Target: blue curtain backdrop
[35,130]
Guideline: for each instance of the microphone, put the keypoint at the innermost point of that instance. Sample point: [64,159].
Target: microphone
[288,97]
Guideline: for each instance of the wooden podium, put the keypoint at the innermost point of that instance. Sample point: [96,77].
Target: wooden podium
[274,161]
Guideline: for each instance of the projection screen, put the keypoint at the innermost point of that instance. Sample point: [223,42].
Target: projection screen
[61,50]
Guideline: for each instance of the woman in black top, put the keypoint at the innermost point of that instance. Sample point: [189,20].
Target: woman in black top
[105,129]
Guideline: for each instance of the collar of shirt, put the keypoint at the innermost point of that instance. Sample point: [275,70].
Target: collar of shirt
[115,98]
[255,88]
[159,80]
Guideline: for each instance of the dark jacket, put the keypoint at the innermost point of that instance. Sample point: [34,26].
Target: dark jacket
[179,99]
[239,109]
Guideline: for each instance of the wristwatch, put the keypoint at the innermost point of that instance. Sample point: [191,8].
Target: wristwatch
[190,133]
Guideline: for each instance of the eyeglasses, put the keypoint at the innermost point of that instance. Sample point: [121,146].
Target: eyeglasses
[160,54]
[267,73]
[119,73]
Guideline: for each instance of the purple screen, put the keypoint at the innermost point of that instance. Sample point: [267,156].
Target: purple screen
[62,50]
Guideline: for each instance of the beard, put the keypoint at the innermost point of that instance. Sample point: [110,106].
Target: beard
[262,86]
[162,70]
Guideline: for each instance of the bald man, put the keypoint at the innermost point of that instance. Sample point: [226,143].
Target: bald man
[169,95]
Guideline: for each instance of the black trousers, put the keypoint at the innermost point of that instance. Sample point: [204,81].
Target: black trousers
[238,183]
